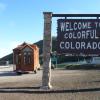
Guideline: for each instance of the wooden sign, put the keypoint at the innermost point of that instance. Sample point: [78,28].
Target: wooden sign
[78,36]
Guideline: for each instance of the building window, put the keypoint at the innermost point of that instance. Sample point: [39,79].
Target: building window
[27,58]
[16,59]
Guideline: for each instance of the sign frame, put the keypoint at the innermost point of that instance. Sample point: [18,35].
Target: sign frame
[66,27]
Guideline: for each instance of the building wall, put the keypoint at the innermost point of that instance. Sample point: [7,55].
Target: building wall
[34,59]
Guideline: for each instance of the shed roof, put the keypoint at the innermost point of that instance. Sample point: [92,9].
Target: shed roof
[23,45]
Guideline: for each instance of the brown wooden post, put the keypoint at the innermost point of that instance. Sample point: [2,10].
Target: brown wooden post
[47,45]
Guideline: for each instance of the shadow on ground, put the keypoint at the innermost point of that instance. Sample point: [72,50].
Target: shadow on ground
[7,73]
[41,91]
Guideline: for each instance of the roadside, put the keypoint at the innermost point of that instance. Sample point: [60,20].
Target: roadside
[67,85]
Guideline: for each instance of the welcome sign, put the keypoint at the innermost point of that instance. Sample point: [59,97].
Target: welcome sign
[78,36]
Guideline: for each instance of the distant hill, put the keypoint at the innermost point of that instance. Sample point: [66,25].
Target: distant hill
[39,44]
[7,58]
[60,58]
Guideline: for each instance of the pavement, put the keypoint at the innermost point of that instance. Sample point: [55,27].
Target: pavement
[67,85]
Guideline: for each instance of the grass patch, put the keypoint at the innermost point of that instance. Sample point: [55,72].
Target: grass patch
[79,66]
[61,65]
[83,66]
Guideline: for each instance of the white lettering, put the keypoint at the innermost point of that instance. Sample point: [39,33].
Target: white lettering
[79,26]
[94,45]
[96,24]
[88,45]
[99,45]
[82,45]
[79,35]
[77,45]
[66,36]
[62,45]
[84,25]
[75,25]
[83,34]
[67,45]
[89,25]
[70,35]
[67,26]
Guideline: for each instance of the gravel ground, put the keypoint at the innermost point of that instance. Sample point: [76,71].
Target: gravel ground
[67,85]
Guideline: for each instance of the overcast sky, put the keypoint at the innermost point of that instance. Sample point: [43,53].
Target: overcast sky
[22,20]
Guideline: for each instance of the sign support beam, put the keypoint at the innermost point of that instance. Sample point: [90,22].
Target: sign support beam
[47,45]
[76,15]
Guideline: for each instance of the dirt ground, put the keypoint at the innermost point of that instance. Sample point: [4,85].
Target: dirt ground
[67,85]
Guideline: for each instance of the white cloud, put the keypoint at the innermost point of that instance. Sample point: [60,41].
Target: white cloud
[5,50]
[2,6]
[14,44]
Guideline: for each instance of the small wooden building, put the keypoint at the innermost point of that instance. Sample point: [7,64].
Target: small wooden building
[26,58]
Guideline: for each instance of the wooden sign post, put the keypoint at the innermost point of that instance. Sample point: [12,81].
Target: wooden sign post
[74,36]
[47,44]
